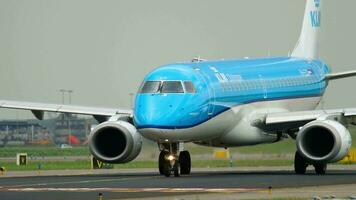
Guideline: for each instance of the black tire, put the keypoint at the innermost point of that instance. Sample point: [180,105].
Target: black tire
[176,170]
[185,162]
[167,169]
[161,160]
[300,164]
[320,168]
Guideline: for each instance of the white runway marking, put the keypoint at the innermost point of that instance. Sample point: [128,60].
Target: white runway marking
[74,182]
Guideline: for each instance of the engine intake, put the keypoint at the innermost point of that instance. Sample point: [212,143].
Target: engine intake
[115,142]
[323,141]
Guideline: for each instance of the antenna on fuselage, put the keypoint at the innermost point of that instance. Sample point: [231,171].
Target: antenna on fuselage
[198,59]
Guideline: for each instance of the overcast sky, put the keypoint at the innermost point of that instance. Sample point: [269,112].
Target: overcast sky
[102,49]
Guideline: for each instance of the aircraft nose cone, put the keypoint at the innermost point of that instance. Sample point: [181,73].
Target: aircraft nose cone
[155,113]
[147,115]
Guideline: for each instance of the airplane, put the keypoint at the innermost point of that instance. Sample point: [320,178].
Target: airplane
[225,103]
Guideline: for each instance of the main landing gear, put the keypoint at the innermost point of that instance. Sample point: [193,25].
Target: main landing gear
[301,164]
[171,161]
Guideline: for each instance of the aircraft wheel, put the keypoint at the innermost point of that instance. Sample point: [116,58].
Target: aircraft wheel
[320,168]
[176,169]
[161,160]
[166,169]
[300,164]
[185,162]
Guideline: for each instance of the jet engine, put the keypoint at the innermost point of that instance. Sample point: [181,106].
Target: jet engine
[323,141]
[115,142]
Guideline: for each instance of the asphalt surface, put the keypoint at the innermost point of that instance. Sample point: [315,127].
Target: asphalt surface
[150,184]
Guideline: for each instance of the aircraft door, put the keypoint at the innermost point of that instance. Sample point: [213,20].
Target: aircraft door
[264,87]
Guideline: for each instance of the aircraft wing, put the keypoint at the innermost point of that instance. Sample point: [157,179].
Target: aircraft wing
[286,121]
[38,109]
[292,121]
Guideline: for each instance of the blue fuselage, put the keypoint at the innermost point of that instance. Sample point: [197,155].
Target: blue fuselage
[221,85]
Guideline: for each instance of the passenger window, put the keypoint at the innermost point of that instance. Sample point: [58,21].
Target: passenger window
[189,87]
[150,87]
[172,87]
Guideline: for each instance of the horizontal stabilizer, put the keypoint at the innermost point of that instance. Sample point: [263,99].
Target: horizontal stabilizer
[340,75]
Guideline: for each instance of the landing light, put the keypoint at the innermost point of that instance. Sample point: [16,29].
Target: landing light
[170,157]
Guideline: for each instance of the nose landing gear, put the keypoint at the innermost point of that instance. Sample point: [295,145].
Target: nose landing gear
[170,162]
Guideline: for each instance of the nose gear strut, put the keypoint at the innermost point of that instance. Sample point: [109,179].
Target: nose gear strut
[171,161]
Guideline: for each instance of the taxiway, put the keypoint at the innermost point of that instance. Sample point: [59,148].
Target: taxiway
[150,184]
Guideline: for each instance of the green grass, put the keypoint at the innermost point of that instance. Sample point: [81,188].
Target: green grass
[44,151]
[47,165]
[283,147]
[280,148]
[353,135]
[83,164]
[287,146]
[211,163]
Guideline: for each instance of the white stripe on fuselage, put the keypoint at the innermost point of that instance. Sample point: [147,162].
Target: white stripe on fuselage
[232,127]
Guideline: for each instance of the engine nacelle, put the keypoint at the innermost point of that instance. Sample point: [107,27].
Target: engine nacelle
[323,141]
[115,142]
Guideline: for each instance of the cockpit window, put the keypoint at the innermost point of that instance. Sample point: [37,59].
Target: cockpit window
[167,87]
[151,87]
[189,87]
[172,87]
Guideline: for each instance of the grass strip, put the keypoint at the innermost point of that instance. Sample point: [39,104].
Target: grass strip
[83,164]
